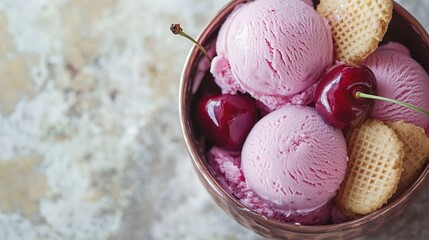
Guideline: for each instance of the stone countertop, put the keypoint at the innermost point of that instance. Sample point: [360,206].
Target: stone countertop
[90,141]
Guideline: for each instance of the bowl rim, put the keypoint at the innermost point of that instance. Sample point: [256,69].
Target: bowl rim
[204,172]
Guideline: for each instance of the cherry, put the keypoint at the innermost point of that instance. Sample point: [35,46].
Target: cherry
[336,95]
[226,119]
[345,95]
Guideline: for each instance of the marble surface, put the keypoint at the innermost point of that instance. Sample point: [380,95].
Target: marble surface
[90,142]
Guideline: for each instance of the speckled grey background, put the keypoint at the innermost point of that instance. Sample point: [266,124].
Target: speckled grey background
[90,142]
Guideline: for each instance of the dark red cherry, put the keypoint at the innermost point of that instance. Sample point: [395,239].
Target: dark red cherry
[226,119]
[335,96]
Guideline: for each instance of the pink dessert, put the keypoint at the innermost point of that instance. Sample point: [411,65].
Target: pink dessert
[399,77]
[273,50]
[285,171]
[227,167]
[294,159]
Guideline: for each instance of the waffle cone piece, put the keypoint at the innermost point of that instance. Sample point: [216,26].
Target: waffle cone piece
[373,170]
[416,148]
[357,26]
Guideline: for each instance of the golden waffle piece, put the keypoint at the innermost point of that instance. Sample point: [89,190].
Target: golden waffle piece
[357,26]
[373,170]
[416,148]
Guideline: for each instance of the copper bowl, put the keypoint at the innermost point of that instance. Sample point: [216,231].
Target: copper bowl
[403,28]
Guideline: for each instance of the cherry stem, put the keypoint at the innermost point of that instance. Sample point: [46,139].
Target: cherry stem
[177,29]
[370,96]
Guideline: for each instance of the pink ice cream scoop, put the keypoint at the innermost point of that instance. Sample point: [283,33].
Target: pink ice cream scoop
[399,77]
[227,167]
[274,50]
[294,160]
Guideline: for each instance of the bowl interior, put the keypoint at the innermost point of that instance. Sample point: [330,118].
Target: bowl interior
[196,82]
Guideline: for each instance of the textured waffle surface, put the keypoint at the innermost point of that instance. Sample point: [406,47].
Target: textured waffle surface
[374,168]
[416,151]
[357,26]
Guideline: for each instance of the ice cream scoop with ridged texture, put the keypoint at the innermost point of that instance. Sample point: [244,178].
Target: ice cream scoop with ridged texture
[274,50]
[294,160]
[227,168]
[401,78]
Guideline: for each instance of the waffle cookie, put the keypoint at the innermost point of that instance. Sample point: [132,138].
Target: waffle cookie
[373,170]
[416,148]
[357,26]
